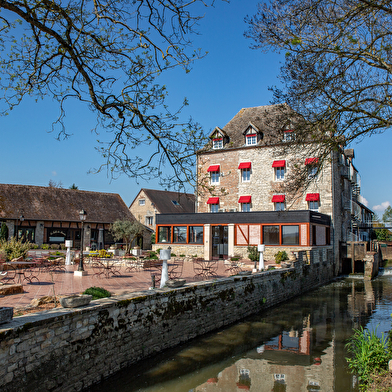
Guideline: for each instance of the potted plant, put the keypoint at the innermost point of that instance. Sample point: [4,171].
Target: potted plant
[280,257]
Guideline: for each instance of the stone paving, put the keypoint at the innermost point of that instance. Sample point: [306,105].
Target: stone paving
[66,283]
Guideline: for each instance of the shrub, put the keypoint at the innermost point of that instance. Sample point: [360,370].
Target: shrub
[281,256]
[45,246]
[97,292]
[104,254]
[14,248]
[55,246]
[369,355]
[253,253]
[4,232]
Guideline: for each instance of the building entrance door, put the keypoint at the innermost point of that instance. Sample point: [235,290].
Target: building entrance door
[219,242]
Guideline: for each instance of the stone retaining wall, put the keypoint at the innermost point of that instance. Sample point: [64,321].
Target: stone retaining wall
[70,349]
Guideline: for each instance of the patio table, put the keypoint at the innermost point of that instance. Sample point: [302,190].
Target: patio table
[27,273]
[205,268]
[106,267]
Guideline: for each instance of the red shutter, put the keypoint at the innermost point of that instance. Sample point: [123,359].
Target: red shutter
[278,198]
[245,199]
[213,168]
[312,196]
[245,165]
[311,161]
[213,200]
[279,163]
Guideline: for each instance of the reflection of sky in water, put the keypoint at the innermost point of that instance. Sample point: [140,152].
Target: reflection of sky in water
[381,317]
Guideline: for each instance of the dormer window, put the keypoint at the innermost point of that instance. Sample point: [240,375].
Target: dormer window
[251,140]
[252,135]
[218,138]
[217,143]
[288,135]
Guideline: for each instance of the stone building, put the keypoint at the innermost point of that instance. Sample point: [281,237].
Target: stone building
[150,202]
[48,215]
[245,168]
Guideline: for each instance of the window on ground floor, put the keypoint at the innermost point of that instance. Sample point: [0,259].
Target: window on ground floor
[290,235]
[271,235]
[196,234]
[164,234]
[179,234]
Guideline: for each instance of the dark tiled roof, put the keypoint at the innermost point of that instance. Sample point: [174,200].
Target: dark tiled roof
[163,201]
[268,120]
[264,118]
[56,204]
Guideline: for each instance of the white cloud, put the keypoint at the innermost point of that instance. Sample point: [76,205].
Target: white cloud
[382,206]
[364,201]
[54,173]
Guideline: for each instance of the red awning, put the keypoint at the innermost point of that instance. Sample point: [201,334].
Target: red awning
[213,168]
[279,163]
[245,199]
[278,198]
[245,165]
[312,196]
[311,161]
[217,138]
[213,200]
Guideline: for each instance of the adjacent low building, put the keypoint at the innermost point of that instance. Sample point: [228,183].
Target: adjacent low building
[48,215]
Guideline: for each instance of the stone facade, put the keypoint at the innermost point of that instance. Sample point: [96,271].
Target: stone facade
[71,349]
[143,210]
[262,184]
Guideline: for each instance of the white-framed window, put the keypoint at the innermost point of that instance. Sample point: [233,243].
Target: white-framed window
[214,207]
[279,206]
[215,176]
[251,139]
[314,205]
[245,175]
[149,220]
[217,143]
[142,202]
[245,207]
[288,136]
[279,173]
[312,171]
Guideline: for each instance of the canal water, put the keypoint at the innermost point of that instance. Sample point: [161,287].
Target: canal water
[297,346]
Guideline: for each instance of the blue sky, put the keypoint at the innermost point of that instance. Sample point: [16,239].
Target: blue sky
[230,77]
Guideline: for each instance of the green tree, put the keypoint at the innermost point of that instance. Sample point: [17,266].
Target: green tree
[73,186]
[126,231]
[387,216]
[4,232]
[337,68]
[108,55]
[379,232]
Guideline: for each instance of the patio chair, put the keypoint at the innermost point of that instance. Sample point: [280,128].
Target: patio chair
[176,268]
[6,274]
[233,268]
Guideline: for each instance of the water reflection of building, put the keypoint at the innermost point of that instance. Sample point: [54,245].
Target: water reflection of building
[285,363]
[299,346]
[361,302]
